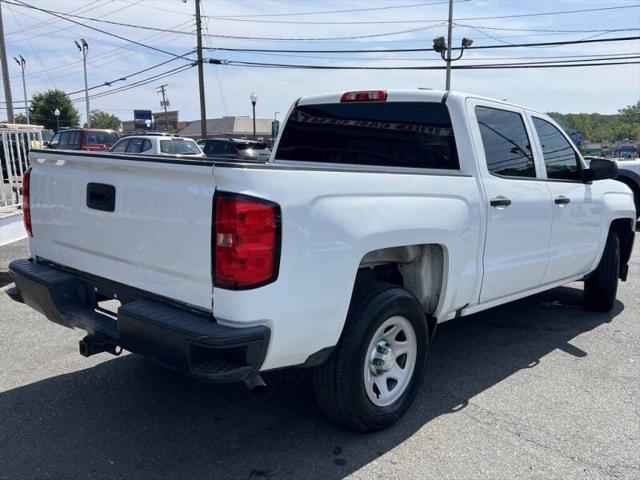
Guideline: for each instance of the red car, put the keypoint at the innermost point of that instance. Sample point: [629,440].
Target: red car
[92,139]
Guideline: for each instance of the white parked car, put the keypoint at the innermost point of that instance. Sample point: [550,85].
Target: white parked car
[379,215]
[157,145]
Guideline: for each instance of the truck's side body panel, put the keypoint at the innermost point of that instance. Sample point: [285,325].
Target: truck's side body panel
[331,220]
[158,238]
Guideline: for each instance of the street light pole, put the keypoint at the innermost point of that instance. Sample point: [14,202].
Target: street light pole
[254,98]
[449,35]
[83,46]
[4,69]
[23,63]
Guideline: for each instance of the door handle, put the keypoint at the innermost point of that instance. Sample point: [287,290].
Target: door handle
[500,202]
[561,200]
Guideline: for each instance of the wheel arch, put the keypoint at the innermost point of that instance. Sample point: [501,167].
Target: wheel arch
[625,229]
[419,269]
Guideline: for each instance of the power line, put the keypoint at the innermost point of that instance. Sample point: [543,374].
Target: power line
[396,50]
[126,77]
[139,83]
[100,61]
[120,37]
[545,29]
[367,22]
[319,39]
[495,66]
[233,37]
[102,20]
[40,24]
[479,59]
[324,12]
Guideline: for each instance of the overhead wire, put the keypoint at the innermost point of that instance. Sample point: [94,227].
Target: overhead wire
[120,37]
[540,64]
[325,12]
[421,49]
[413,20]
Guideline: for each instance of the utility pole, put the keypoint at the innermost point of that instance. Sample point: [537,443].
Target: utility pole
[83,46]
[164,103]
[5,72]
[449,35]
[203,108]
[23,63]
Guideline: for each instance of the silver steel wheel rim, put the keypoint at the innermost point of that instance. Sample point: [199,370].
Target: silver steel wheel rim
[390,361]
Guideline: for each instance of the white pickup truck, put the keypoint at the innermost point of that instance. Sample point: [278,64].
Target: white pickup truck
[379,215]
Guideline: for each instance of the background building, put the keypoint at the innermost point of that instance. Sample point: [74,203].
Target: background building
[231,127]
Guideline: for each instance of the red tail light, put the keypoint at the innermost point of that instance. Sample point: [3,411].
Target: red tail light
[365,96]
[246,241]
[26,209]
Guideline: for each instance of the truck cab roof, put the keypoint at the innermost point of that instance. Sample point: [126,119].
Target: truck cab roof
[405,95]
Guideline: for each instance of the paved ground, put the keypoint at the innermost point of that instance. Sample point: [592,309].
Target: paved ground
[537,389]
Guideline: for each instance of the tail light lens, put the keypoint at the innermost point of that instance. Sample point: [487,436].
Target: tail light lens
[365,96]
[246,237]
[26,208]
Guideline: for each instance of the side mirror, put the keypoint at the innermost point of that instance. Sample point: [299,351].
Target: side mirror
[600,169]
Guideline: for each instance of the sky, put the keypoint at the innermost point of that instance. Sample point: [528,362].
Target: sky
[53,61]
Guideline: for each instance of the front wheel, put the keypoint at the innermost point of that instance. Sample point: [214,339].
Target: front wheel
[601,287]
[378,366]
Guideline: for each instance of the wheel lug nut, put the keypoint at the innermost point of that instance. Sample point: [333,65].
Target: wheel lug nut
[382,350]
[378,362]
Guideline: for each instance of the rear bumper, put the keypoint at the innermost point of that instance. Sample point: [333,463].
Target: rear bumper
[172,335]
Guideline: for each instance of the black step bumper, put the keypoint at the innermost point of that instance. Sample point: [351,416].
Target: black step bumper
[173,335]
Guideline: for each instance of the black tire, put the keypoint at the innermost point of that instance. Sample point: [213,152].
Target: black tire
[601,286]
[339,383]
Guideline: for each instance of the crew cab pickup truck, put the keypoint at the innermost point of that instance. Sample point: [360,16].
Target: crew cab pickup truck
[379,215]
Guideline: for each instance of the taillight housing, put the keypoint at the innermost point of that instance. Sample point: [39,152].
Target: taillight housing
[26,207]
[365,96]
[246,241]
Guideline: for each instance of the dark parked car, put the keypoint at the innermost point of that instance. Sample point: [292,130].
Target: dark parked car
[234,148]
[91,139]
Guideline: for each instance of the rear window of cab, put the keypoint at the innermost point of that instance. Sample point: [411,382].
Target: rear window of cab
[389,134]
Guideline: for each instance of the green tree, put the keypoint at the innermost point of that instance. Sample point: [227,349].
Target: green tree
[102,119]
[20,118]
[44,104]
[631,113]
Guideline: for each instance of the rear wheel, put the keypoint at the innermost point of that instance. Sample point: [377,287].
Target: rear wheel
[378,366]
[602,285]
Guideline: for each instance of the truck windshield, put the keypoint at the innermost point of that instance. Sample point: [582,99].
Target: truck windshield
[396,134]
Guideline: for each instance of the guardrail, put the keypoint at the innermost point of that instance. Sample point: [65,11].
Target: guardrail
[15,143]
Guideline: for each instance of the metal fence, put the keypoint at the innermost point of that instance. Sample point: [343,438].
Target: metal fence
[15,143]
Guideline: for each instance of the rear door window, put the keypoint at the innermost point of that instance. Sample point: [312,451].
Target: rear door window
[64,140]
[135,145]
[179,146]
[394,134]
[74,140]
[121,146]
[101,138]
[560,159]
[507,147]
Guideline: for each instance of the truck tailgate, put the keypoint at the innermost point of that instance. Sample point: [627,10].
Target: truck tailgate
[154,236]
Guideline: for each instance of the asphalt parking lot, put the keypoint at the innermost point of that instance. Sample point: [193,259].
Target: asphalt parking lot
[540,388]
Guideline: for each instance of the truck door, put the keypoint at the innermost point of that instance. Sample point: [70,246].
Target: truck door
[577,206]
[518,204]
